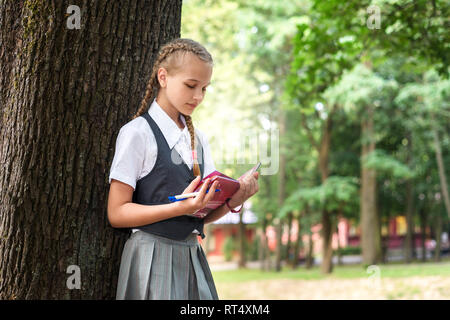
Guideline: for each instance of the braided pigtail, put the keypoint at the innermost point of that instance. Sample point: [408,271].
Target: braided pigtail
[190,127]
[169,57]
[150,91]
[153,83]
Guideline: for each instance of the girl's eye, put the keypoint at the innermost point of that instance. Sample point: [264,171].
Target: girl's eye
[192,87]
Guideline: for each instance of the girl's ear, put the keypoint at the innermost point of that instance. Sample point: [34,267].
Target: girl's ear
[162,77]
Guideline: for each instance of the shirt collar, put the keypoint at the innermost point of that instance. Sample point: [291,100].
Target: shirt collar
[171,132]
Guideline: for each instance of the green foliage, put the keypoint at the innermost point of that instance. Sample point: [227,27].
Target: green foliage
[340,193]
[416,27]
[431,96]
[358,88]
[388,165]
[405,26]
[347,251]
[319,61]
[323,48]
[336,194]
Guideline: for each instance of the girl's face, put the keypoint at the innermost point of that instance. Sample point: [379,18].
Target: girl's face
[186,89]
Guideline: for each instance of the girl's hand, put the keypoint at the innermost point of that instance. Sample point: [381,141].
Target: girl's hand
[248,187]
[191,205]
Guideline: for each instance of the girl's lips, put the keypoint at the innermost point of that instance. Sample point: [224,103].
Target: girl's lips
[191,105]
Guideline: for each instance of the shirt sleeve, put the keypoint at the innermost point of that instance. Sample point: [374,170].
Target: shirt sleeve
[129,156]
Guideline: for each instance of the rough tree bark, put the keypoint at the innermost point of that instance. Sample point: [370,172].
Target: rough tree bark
[64,95]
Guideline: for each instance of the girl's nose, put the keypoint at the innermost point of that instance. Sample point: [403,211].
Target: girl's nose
[198,96]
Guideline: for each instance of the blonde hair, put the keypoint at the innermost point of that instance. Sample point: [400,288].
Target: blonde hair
[169,57]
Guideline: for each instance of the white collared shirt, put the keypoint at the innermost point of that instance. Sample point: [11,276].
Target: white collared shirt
[136,148]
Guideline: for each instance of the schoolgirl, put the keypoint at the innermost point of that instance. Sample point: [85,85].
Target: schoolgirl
[158,154]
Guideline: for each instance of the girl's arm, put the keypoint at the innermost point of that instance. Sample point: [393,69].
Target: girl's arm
[122,213]
[219,212]
[249,186]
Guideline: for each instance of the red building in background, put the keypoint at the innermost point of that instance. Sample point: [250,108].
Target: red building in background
[347,235]
[228,226]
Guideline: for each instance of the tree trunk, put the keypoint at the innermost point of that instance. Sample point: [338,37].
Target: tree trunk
[265,261]
[279,245]
[409,238]
[297,245]
[441,169]
[423,226]
[309,257]
[324,149]
[289,243]
[242,258]
[281,190]
[438,234]
[327,229]
[369,221]
[384,242]
[327,252]
[262,248]
[339,255]
[64,95]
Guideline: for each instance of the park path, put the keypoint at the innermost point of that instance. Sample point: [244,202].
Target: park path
[423,287]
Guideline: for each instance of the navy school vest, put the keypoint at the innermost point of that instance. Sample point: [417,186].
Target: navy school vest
[170,176]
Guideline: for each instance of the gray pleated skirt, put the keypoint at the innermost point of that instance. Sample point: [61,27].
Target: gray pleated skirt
[158,268]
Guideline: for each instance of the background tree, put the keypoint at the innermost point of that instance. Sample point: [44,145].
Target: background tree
[431,98]
[360,92]
[427,102]
[335,36]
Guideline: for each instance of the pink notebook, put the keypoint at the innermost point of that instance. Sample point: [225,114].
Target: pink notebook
[228,187]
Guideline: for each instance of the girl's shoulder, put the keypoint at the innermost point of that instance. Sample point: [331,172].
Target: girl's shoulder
[136,127]
[198,133]
[201,136]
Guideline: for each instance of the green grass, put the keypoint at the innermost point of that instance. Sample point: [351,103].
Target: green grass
[390,270]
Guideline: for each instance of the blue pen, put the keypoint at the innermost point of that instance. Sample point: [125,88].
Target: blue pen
[185,196]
